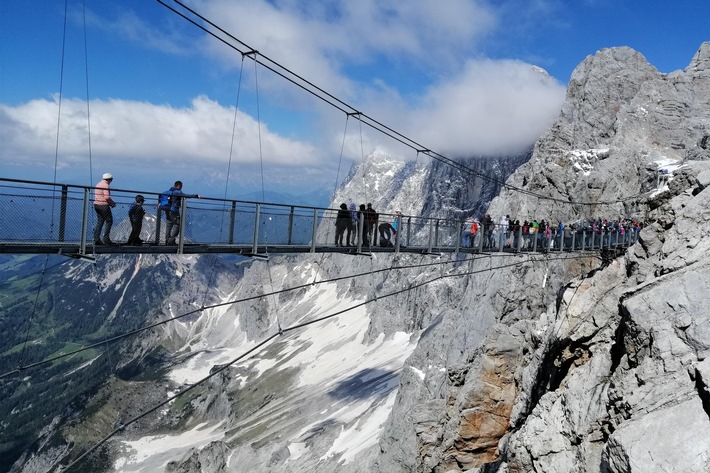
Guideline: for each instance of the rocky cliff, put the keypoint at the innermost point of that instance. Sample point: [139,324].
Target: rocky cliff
[558,366]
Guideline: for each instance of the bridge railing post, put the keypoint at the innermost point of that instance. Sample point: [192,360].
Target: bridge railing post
[398,234]
[315,228]
[459,232]
[584,238]
[436,233]
[360,230]
[232,218]
[409,230]
[181,226]
[158,219]
[84,222]
[574,234]
[501,237]
[63,213]
[519,239]
[255,236]
[431,235]
[290,227]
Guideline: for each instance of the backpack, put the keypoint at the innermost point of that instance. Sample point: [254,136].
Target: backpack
[165,201]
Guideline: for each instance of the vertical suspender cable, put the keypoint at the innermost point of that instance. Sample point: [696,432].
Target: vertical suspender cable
[226,184]
[335,189]
[263,197]
[88,107]
[56,158]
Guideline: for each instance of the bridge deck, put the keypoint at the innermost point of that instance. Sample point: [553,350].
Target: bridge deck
[51,218]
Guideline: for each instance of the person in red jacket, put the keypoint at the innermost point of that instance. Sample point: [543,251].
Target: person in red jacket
[103,203]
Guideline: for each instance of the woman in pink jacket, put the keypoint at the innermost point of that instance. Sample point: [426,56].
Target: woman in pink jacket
[103,203]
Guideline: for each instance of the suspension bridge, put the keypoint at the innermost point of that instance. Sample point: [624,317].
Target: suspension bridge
[52,218]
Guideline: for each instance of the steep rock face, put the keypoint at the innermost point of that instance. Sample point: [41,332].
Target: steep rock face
[604,356]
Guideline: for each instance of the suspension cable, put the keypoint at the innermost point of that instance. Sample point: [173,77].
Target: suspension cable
[344,107]
[215,371]
[531,258]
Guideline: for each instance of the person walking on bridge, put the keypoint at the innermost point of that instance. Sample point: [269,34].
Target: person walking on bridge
[170,202]
[103,203]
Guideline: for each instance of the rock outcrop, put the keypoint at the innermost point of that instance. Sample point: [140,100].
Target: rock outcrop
[601,365]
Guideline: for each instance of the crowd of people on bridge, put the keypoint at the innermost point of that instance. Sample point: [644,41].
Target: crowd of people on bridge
[352,222]
[169,202]
[545,235]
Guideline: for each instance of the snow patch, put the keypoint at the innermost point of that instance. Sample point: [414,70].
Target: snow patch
[583,160]
[152,453]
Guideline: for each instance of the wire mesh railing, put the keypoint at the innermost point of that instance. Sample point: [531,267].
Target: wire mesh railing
[51,215]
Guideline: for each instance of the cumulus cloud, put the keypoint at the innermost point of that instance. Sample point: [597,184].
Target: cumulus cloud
[128,130]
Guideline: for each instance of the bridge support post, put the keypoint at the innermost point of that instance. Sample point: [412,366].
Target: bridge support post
[255,240]
[84,222]
[398,235]
[158,219]
[459,232]
[313,232]
[290,226]
[519,239]
[431,235]
[409,230]
[360,230]
[183,217]
[584,238]
[63,213]
[232,217]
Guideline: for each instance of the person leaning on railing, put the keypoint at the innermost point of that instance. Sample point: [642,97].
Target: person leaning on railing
[172,210]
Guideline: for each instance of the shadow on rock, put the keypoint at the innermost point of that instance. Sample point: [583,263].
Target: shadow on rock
[368,382]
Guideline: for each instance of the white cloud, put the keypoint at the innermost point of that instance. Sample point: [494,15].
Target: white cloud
[129,130]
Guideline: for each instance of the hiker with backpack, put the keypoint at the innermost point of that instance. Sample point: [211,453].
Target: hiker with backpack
[170,202]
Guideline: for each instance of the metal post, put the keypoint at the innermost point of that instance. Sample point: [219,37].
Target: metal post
[584,238]
[459,232]
[481,236]
[501,239]
[84,222]
[409,230]
[290,226]
[158,218]
[431,232]
[436,234]
[574,234]
[520,239]
[360,230]
[313,233]
[398,235]
[181,226]
[63,213]
[232,217]
[255,240]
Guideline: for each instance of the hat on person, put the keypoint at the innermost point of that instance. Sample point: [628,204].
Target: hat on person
[107,176]
[140,199]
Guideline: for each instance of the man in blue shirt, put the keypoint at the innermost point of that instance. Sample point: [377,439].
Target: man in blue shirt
[170,202]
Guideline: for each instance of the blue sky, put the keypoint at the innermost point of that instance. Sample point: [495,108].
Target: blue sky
[459,76]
